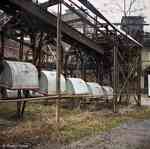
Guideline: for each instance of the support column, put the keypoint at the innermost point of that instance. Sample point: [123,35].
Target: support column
[84,72]
[99,69]
[58,62]
[39,52]
[2,44]
[20,105]
[21,47]
[95,29]
[2,89]
[33,47]
[139,71]
[115,74]
[83,66]
[65,65]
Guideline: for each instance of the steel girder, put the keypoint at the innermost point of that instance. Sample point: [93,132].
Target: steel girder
[45,18]
[49,3]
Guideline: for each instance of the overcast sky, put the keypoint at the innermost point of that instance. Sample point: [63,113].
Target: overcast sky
[112,9]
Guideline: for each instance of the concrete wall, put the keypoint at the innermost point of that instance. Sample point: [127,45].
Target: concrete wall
[145,69]
[145,58]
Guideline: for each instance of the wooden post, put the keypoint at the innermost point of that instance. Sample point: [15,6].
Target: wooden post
[58,62]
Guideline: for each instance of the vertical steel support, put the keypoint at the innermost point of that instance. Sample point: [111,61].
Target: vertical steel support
[139,71]
[37,1]
[2,45]
[2,90]
[65,65]
[58,62]
[83,67]
[115,74]
[21,47]
[84,72]
[124,3]
[95,29]
[33,47]
[84,27]
[20,105]
[98,71]
[39,53]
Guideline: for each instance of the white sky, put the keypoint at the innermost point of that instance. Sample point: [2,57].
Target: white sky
[112,9]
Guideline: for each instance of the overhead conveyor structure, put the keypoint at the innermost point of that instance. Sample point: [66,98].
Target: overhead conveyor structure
[105,54]
[49,20]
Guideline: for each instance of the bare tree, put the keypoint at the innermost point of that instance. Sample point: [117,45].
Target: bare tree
[126,7]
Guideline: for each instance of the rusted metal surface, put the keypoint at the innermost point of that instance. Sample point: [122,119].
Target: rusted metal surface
[49,3]
[105,54]
[50,20]
[58,62]
[19,75]
[88,5]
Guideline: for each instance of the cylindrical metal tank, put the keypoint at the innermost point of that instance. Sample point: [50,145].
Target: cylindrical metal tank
[77,86]
[10,94]
[19,75]
[47,82]
[13,94]
[95,89]
[109,92]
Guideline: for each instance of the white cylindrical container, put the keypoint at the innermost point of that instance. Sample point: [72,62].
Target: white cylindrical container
[149,85]
[109,92]
[95,89]
[77,86]
[47,82]
[19,75]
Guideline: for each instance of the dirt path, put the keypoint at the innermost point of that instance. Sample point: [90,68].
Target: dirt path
[133,135]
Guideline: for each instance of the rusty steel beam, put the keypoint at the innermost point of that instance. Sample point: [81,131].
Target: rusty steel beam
[89,5]
[115,71]
[83,18]
[49,3]
[69,34]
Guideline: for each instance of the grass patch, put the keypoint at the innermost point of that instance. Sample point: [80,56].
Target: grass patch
[39,122]
[89,126]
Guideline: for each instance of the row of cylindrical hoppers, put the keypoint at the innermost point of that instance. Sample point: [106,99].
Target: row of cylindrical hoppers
[21,80]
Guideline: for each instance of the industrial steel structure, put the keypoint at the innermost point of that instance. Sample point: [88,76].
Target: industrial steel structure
[100,51]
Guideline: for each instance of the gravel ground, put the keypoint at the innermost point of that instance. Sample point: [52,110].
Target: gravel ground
[132,135]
